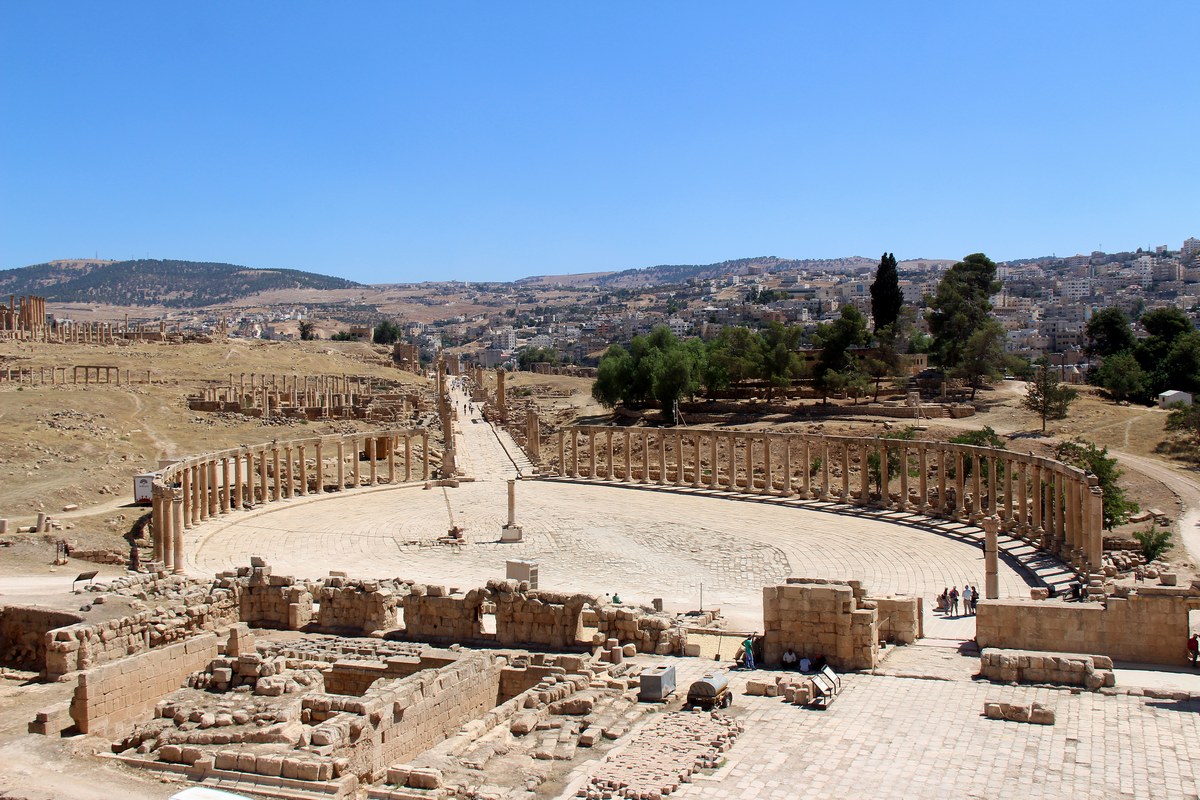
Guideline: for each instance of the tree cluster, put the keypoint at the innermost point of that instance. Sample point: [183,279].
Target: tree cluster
[1133,369]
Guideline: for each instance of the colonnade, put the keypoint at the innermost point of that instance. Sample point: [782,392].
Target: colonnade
[198,488]
[1054,505]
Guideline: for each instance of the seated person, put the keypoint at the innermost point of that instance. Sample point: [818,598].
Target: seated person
[790,659]
[805,664]
[818,663]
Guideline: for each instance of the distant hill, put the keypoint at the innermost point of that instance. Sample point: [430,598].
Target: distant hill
[146,282]
[678,273]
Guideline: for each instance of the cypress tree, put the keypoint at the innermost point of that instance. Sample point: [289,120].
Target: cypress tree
[886,298]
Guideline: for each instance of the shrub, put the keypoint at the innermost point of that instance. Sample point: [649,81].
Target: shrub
[1154,542]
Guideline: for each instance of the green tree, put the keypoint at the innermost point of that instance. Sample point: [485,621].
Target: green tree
[1121,376]
[982,356]
[961,307]
[831,381]
[308,331]
[386,332]
[1109,332]
[874,474]
[657,368]
[1181,368]
[986,437]
[528,356]
[1047,397]
[836,338]
[1085,455]
[778,362]
[886,298]
[733,357]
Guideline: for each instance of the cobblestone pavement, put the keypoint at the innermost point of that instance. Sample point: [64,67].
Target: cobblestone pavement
[638,543]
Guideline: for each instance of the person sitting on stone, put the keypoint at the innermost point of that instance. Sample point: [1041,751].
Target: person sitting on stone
[616,599]
[790,659]
[805,664]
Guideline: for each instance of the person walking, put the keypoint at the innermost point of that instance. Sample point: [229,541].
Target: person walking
[974,599]
[966,599]
[1194,648]
[954,601]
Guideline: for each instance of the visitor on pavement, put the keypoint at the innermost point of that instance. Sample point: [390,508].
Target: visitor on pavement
[748,651]
[966,599]
[1194,648]
[790,659]
[974,599]
[954,601]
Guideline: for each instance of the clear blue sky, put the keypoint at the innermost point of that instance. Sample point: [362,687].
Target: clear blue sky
[394,141]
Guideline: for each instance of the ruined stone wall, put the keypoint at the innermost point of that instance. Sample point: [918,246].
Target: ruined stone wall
[111,696]
[360,607]
[23,634]
[398,720]
[820,619]
[432,614]
[1068,669]
[1150,626]
[272,601]
[546,619]
[899,618]
[84,646]
[650,633]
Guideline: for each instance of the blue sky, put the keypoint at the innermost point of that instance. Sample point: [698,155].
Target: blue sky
[398,141]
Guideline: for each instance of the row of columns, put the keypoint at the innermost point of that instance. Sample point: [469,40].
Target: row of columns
[189,493]
[1058,506]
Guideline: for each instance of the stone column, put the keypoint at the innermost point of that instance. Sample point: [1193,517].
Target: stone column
[611,473]
[407,456]
[943,459]
[902,505]
[960,482]
[677,443]
[884,478]
[356,464]
[1006,510]
[205,483]
[697,445]
[922,479]
[629,457]
[501,396]
[714,450]
[806,467]
[1095,524]
[372,453]
[1022,497]
[391,459]
[164,547]
[236,502]
[787,465]
[731,459]
[1039,500]
[574,452]
[226,487]
[264,481]
[302,463]
[662,458]
[1059,523]
[846,471]
[824,468]
[591,441]
[177,530]
[276,467]
[156,518]
[425,455]
[864,474]
[991,580]
[993,489]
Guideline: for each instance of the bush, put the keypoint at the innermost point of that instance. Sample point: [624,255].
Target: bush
[1154,542]
[1086,456]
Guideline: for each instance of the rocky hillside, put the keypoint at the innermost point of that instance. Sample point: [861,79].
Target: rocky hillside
[178,284]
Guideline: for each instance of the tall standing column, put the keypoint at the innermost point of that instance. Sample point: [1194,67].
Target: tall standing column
[824,468]
[662,458]
[425,454]
[885,482]
[391,459]
[845,471]
[1039,500]
[407,457]
[177,530]
[355,463]
[226,488]
[236,502]
[991,580]
[202,486]
[610,473]
[302,463]
[277,468]
[574,453]
[864,474]
[806,467]
[373,453]
[943,465]
[787,466]
[922,478]
[562,453]
[1059,523]
[714,446]
[264,483]
[185,477]
[156,519]
[1095,528]
[591,440]
[960,482]
[628,476]
[902,505]
[164,548]
[1022,497]
[1006,509]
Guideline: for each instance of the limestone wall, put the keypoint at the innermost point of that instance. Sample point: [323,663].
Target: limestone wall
[820,619]
[87,645]
[398,720]
[899,618]
[546,619]
[1070,669]
[23,634]
[432,614]
[1148,626]
[273,601]
[358,606]
[109,697]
